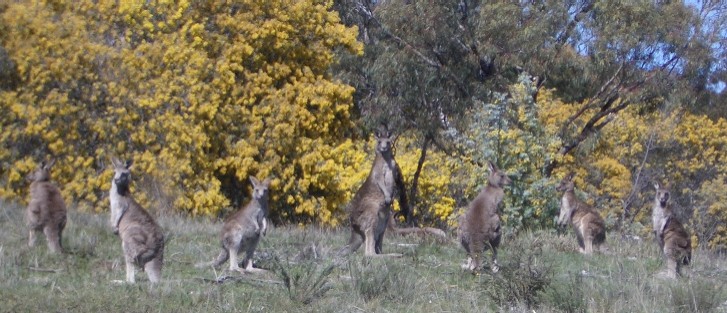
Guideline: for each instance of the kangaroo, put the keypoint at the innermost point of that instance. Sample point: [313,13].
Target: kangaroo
[671,236]
[479,227]
[46,210]
[141,237]
[243,229]
[370,209]
[660,213]
[588,224]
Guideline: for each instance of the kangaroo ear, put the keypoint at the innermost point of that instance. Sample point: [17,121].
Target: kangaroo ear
[491,166]
[254,181]
[382,131]
[115,162]
[50,164]
[656,185]
[570,176]
[129,163]
[266,182]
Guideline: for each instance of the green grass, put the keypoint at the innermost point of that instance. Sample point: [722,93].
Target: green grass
[540,271]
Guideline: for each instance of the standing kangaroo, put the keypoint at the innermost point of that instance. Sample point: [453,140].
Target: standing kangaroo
[588,224]
[670,234]
[141,237]
[370,209]
[46,210]
[243,229]
[479,228]
[660,213]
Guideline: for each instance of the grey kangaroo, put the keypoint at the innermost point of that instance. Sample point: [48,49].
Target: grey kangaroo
[671,236]
[142,240]
[479,228]
[587,223]
[242,230]
[46,210]
[370,209]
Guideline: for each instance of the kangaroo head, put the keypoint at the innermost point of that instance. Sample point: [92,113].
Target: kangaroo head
[662,195]
[42,173]
[260,189]
[497,177]
[384,141]
[566,184]
[122,175]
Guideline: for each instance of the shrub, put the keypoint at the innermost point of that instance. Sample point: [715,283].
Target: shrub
[521,279]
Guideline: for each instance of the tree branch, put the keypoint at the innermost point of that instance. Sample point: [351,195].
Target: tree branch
[573,23]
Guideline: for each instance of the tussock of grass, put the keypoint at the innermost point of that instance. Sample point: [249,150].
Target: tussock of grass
[565,295]
[540,271]
[304,282]
[378,279]
[698,295]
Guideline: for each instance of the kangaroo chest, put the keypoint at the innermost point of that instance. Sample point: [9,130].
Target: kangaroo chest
[388,174]
[384,173]
[255,213]
[569,208]
[658,218]
[565,202]
[118,206]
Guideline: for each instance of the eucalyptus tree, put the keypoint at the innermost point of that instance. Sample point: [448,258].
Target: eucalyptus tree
[426,62]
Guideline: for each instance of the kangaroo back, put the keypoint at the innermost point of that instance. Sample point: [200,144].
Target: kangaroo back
[242,230]
[589,226]
[676,241]
[480,226]
[486,203]
[46,209]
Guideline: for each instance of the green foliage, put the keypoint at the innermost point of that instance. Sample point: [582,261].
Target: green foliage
[411,74]
[508,131]
[710,215]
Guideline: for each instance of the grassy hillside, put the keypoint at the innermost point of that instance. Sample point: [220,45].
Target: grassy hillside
[540,272]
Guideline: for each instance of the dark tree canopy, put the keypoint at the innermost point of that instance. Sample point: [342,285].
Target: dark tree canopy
[427,62]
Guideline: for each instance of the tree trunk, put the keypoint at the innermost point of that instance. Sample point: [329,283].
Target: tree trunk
[415,181]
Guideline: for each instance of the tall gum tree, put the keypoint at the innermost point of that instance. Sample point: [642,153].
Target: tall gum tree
[428,64]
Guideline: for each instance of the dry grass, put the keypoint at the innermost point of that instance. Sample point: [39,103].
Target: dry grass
[541,271]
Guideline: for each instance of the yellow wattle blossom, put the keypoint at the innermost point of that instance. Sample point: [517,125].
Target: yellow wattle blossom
[201,95]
